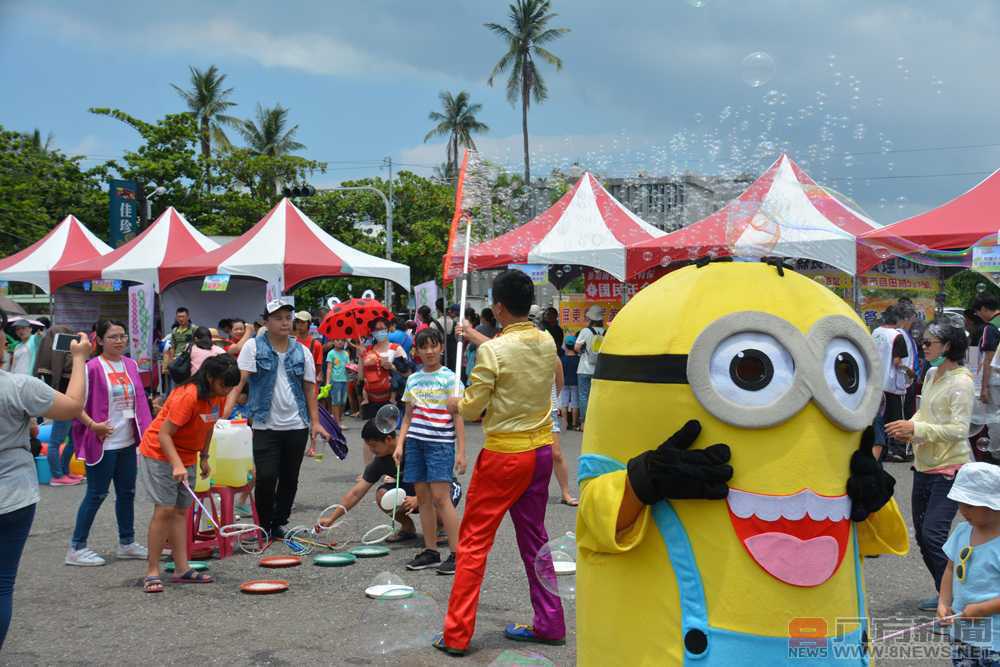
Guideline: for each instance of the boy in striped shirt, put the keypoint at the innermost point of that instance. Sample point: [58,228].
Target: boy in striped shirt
[434,444]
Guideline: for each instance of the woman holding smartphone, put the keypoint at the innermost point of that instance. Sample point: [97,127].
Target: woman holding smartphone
[106,437]
[22,398]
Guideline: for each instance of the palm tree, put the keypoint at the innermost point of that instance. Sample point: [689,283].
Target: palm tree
[528,31]
[35,138]
[208,101]
[458,122]
[268,136]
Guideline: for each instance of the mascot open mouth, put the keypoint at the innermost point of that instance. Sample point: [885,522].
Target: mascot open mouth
[799,539]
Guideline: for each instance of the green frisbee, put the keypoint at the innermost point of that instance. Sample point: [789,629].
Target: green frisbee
[195,565]
[370,551]
[334,560]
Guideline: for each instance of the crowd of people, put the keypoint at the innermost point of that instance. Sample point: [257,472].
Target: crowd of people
[940,412]
[151,432]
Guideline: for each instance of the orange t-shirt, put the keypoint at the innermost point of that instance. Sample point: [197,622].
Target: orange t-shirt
[194,419]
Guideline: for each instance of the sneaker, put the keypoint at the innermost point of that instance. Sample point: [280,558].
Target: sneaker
[74,476]
[134,551]
[278,533]
[83,557]
[448,566]
[425,559]
[65,480]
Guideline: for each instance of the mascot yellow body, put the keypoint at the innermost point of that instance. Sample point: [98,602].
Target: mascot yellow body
[781,370]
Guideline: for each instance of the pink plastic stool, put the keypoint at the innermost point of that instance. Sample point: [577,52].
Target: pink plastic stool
[202,540]
[227,501]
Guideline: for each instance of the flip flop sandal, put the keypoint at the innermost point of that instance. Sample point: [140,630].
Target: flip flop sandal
[573,503]
[152,585]
[401,536]
[192,577]
[439,644]
[525,633]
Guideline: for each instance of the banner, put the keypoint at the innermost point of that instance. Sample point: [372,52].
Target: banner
[426,294]
[572,312]
[102,285]
[140,326]
[218,282]
[599,284]
[986,259]
[123,212]
[539,273]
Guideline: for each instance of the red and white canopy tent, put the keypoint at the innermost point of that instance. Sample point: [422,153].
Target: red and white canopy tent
[68,243]
[286,248]
[956,225]
[783,213]
[170,238]
[586,227]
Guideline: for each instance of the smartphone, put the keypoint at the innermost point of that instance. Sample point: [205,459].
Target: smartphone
[62,341]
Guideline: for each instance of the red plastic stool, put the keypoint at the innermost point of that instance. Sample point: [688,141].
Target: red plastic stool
[227,501]
[205,540]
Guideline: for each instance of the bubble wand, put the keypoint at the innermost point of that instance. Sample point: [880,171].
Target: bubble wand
[893,635]
[461,306]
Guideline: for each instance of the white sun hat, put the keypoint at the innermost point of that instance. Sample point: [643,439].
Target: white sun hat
[977,484]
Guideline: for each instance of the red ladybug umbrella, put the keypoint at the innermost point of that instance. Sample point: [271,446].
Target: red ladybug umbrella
[351,319]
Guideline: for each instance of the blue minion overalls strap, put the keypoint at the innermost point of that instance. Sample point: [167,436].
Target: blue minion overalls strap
[727,647]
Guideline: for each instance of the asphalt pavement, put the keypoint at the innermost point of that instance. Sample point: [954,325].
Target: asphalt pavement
[100,616]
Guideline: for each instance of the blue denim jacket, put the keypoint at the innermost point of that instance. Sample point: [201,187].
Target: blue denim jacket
[262,382]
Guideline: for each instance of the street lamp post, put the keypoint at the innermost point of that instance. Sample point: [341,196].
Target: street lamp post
[388,223]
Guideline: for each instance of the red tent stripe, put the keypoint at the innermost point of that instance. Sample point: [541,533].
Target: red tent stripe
[312,257]
[514,246]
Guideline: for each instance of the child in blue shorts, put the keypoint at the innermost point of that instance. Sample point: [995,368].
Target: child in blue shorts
[971,582]
[336,377]
[434,444]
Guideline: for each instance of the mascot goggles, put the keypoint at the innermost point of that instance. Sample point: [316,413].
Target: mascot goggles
[755,370]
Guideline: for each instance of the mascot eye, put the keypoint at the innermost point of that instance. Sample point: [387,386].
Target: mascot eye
[751,369]
[845,371]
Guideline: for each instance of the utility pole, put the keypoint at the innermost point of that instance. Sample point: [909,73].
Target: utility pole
[388,234]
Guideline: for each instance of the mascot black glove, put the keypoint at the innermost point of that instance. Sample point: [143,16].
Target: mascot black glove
[869,486]
[674,471]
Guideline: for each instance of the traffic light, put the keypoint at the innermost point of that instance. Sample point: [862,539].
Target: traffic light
[298,191]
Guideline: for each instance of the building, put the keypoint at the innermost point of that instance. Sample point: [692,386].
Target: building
[671,203]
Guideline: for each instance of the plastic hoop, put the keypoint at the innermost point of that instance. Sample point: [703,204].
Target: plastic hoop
[234,529]
[293,540]
[318,528]
[386,530]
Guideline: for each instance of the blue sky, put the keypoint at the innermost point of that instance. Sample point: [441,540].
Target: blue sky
[651,85]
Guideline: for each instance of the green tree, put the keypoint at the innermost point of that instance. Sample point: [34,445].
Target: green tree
[38,188]
[525,35]
[457,121]
[36,141]
[269,135]
[209,101]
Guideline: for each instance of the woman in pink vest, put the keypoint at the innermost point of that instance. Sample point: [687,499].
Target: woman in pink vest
[105,437]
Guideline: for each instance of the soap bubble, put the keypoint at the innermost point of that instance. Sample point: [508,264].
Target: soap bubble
[513,658]
[697,4]
[757,69]
[772,97]
[900,202]
[408,624]
[983,444]
[647,256]
[555,566]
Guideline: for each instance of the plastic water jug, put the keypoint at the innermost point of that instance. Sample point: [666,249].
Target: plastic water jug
[202,484]
[233,452]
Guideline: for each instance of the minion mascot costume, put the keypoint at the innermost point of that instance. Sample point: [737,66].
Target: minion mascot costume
[749,552]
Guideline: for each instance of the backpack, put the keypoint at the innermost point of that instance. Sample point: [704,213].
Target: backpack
[595,342]
[378,380]
[180,368]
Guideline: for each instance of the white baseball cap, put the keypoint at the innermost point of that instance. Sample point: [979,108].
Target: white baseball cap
[977,484]
[274,305]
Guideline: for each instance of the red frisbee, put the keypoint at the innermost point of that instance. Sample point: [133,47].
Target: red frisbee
[264,586]
[280,561]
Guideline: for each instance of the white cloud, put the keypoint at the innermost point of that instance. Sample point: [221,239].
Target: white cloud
[310,52]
